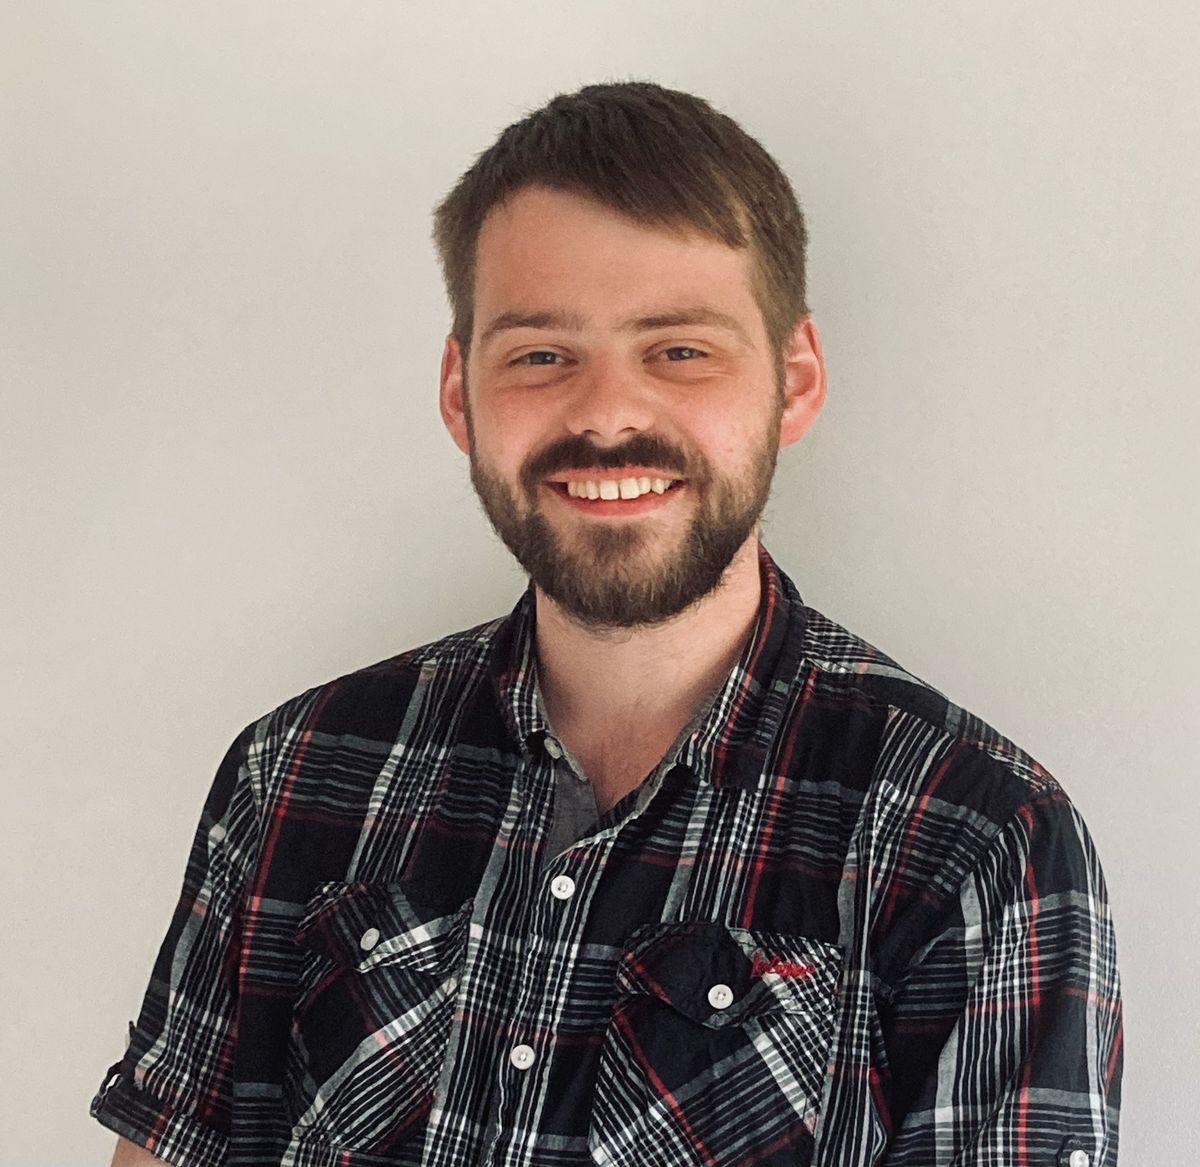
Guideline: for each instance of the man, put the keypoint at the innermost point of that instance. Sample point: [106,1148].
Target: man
[665,867]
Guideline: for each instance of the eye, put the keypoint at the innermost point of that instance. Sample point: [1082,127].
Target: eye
[538,357]
[682,352]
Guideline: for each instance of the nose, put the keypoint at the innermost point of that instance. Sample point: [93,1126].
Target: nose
[609,403]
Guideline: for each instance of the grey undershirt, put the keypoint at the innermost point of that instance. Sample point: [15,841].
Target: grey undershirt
[575,811]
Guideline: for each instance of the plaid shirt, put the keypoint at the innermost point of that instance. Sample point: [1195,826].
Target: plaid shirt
[844,922]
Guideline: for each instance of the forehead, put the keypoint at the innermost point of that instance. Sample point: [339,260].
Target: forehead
[548,250]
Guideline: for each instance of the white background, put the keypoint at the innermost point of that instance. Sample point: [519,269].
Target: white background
[224,479]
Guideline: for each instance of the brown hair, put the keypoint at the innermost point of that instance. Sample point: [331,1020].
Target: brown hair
[663,158]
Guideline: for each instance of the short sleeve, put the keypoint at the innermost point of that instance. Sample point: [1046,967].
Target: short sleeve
[1006,1031]
[171,1093]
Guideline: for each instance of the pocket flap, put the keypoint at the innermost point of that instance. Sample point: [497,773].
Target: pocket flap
[366,924]
[720,976]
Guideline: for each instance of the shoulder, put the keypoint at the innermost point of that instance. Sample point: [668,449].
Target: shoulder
[927,744]
[952,811]
[374,703]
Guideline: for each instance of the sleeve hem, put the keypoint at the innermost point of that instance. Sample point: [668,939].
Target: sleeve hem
[171,1135]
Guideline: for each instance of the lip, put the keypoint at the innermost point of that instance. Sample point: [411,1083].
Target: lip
[613,508]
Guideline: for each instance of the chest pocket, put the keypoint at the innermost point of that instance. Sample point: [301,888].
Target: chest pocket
[717,1048]
[379,975]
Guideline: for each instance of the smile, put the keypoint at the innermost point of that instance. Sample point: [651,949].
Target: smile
[614,488]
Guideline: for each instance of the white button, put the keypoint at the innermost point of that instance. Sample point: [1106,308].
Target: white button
[553,748]
[1079,1159]
[562,887]
[369,939]
[521,1057]
[720,996]
[217,833]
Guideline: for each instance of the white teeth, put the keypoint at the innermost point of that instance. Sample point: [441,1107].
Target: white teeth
[624,488]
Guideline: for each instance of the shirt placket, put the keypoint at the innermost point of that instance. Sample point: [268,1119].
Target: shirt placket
[555,923]
[517,1050]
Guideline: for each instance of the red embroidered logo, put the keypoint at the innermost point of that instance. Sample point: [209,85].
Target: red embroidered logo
[761,965]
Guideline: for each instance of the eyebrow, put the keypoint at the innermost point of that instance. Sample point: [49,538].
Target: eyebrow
[572,322]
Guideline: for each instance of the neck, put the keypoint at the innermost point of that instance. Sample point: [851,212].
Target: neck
[646,680]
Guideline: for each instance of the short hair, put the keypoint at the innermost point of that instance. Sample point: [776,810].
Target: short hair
[660,156]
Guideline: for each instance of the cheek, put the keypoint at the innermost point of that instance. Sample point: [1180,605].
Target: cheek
[506,434]
[727,443]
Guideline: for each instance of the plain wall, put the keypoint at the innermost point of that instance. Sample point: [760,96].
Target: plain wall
[224,478]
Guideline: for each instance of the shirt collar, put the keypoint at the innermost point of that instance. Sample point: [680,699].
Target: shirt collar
[730,743]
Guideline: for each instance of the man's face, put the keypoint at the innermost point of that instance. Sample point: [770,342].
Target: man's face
[610,359]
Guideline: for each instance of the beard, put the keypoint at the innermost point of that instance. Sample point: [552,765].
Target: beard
[612,574]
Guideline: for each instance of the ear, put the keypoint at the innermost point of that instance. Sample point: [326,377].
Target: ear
[451,396]
[803,381]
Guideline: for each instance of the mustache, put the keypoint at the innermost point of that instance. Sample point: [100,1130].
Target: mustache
[578,453]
